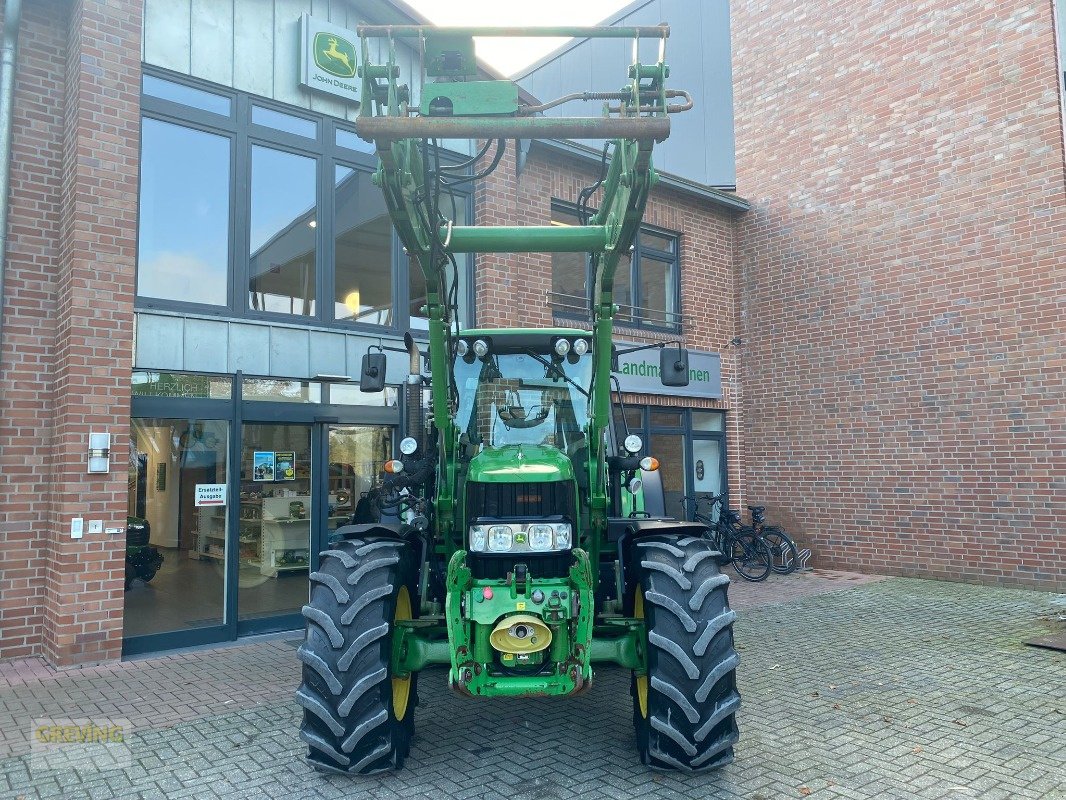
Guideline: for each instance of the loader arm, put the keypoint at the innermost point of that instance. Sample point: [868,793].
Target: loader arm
[486,111]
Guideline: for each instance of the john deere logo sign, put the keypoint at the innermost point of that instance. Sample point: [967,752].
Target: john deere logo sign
[328,58]
[335,55]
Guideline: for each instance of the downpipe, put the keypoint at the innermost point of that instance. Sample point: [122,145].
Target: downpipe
[12,23]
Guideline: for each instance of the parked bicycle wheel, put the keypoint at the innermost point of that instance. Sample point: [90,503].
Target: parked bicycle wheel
[783,551]
[750,556]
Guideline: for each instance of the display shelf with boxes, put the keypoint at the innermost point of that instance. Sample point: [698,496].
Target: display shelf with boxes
[210,533]
[275,528]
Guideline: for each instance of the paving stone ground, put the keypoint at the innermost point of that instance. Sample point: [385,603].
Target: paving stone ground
[853,688]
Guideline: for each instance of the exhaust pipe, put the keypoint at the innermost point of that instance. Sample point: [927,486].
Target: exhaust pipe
[413,394]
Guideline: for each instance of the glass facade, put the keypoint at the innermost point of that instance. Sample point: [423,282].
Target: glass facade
[250,211]
[218,551]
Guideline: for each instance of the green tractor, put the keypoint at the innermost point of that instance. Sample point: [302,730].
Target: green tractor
[521,538]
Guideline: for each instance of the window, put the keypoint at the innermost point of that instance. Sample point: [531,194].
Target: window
[184,242]
[252,210]
[281,262]
[363,290]
[646,282]
[570,272]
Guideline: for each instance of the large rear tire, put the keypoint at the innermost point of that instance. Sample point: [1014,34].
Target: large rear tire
[684,709]
[358,716]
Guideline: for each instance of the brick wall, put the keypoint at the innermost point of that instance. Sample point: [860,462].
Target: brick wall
[901,281]
[26,374]
[511,289]
[68,326]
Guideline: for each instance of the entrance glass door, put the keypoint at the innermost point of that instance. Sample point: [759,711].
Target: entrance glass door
[274,532]
[176,529]
[357,455]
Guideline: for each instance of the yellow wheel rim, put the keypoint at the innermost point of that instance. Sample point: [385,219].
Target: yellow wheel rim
[401,687]
[642,680]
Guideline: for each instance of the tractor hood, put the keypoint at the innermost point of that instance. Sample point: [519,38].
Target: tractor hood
[520,463]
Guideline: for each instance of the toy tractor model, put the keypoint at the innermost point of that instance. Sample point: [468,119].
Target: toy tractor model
[521,537]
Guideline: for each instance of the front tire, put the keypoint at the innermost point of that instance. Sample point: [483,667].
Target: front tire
[684,709]
[358,716]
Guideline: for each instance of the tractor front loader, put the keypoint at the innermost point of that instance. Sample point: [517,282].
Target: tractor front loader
[522,536]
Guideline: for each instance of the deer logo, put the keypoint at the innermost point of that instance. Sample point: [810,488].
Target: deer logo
[335,55]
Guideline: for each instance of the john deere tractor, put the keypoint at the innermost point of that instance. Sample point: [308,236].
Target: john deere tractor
[521,538]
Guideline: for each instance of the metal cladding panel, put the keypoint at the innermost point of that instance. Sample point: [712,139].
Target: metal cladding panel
[249,348]
[396,363]
[327,354]
[701,147]
[287,51]
[253,46]
[212,46]
[202,351]
[159,342]
[172,342]
[289,351]
[167,41]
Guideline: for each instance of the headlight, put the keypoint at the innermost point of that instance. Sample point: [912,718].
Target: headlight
[540,537]
[481,348]
[561,347]
[633,443]
[500,538]
[461,348]
[408,445]
[581,346]
[535,537]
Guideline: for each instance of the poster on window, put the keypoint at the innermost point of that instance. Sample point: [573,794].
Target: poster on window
[285,466]
[263,465]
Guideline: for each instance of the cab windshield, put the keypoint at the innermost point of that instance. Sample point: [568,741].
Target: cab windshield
[520,398]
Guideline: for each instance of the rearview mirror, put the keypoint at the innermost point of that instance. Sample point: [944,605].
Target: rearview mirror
[372,375]
[673,366]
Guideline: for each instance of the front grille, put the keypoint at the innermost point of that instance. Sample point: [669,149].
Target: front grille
[520,500]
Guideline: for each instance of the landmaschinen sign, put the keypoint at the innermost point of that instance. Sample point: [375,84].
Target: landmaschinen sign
[639,372]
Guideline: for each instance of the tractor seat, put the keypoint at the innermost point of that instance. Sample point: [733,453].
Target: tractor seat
[756,509]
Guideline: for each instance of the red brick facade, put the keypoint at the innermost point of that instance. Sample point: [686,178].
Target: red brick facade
[901,278]
[68,326]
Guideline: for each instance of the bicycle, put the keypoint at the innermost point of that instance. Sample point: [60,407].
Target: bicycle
[749,555]
[783,550]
